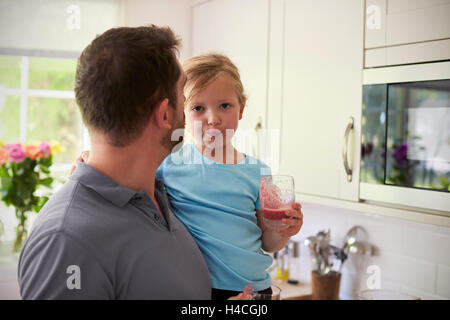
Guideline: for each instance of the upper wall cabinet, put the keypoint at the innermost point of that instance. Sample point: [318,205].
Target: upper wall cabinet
[317,53]
[238,29]
[406,31]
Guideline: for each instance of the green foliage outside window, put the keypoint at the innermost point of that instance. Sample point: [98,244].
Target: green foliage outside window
[48,119]
[10,72]
[52,74]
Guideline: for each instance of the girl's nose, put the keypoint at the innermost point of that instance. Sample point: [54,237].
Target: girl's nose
[213,119]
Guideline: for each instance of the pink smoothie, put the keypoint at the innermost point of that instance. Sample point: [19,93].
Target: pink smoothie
[274,214]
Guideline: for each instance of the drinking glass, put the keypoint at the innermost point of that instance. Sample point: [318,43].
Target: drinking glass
[276,294]
[276,195]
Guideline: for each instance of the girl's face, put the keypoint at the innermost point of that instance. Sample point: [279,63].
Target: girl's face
[213,113]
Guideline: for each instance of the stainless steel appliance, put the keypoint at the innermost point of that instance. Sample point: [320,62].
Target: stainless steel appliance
[405,138]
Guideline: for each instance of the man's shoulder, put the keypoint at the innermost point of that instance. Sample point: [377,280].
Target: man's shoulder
[64,211]
[76,214]
[52,215]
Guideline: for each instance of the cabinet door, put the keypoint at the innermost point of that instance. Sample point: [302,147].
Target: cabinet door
[410,21]
[322,88]
[375,28]
[239,29]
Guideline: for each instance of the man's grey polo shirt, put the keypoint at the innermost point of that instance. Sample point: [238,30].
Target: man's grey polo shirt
[95,239]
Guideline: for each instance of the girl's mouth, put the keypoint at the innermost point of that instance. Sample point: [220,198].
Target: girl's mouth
[212,135]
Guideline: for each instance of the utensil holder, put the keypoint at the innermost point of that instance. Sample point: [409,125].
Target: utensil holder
[325,287]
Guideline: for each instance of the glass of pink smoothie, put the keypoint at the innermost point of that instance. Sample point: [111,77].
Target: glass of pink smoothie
[276,195]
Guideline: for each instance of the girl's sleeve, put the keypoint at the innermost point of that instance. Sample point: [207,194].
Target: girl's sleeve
[160,171]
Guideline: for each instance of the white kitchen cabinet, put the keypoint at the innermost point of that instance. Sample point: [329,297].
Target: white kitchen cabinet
[399,22]
[320,67]
[239,29]
[303,59]
[410,21]
[406,31]
[375,24]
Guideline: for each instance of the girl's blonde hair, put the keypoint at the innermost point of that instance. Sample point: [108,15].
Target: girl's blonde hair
[203,69]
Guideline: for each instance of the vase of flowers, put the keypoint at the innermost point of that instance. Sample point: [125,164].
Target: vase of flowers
[23,169]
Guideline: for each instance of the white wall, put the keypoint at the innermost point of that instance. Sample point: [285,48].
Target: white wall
[173,13]
[413,258]
[53,24]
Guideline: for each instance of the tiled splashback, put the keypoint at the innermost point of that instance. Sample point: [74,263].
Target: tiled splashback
[411,257]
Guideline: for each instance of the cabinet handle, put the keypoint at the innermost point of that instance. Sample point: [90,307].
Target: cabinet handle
[258,128]
[344,149]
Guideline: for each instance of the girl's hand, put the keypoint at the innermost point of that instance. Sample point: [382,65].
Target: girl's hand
[84,156]
[238,297]
[295,220]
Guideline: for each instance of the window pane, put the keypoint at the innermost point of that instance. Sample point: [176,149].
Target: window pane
[419,155]
[55,119]
[52,74]
[9,119]
[10,72]
[374,133]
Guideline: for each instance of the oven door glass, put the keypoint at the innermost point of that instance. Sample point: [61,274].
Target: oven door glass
[418,135]
[373,134]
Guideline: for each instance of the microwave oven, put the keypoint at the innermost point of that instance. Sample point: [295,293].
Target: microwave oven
[405,136]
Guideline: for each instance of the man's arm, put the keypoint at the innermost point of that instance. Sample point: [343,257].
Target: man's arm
[56,266]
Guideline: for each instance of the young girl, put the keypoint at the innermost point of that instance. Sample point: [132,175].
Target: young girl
[213,188]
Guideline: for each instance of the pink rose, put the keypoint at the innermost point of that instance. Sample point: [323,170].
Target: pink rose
[16,153]
[45,149]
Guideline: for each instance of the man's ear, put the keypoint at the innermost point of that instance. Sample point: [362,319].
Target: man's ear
[161,114]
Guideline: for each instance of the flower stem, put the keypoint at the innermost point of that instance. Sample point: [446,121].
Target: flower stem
[21,231]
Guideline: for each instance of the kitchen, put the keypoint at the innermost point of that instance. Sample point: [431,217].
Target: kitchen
[306,67]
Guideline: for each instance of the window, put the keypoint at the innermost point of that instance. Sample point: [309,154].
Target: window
[39,45]
[37,104]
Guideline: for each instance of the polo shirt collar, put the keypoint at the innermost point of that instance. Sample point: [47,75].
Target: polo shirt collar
[103,185]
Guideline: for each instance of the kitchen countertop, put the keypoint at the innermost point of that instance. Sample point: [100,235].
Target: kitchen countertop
[9,286]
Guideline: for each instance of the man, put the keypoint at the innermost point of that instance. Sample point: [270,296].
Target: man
[109,233]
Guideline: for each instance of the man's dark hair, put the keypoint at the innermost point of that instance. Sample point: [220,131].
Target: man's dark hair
[122,75]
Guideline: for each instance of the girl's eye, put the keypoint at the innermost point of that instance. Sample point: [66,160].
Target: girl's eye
[224,106]
[197,108]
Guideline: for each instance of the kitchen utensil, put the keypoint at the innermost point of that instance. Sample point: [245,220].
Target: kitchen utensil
[324,252]
[320,252]
[360,248]
[356,233]
[355,242]
[313,245]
